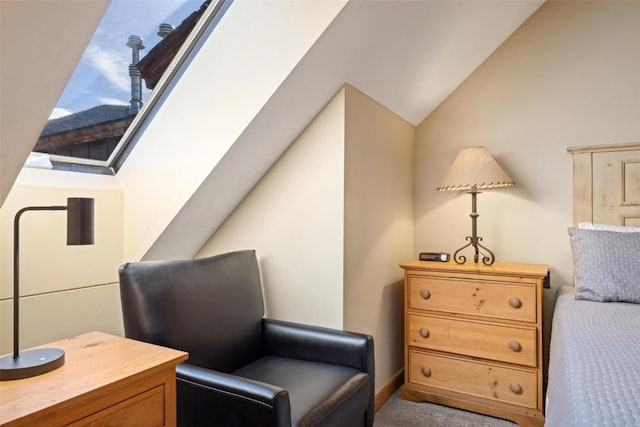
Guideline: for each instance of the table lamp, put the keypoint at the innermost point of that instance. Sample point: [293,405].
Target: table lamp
[29,363]
[474,169]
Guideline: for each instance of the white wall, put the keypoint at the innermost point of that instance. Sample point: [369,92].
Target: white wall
[568,77]
[331,221]
[293,218]
[378,226]
[65,290]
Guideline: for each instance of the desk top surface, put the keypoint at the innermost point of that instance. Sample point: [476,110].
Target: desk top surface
[92,361]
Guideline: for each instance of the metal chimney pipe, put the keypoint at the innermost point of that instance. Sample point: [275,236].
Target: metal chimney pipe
[136,44]
[165,29]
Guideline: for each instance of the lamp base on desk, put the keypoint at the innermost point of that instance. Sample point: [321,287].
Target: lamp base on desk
[30,363]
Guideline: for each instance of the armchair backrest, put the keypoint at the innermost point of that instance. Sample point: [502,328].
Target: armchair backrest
[210,307]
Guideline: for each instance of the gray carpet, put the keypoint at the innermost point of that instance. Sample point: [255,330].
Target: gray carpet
[402,413]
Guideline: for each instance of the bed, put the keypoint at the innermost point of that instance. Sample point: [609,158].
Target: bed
[594,368]
[594,359]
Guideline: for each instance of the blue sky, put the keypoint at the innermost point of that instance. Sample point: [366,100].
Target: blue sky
[102,75]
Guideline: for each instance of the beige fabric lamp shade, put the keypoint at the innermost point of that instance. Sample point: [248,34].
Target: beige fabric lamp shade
[475,168]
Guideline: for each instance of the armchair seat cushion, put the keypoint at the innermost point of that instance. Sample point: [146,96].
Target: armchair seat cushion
[320,394]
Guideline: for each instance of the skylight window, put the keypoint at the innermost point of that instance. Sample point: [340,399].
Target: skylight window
[131,49]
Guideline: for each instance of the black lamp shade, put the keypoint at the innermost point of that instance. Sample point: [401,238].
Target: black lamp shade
[79,221]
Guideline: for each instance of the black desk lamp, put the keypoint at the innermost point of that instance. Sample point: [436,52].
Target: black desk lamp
[472,170]
[34,362]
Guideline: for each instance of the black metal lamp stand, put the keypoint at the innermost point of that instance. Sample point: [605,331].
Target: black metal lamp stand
[474,240]
[35,362]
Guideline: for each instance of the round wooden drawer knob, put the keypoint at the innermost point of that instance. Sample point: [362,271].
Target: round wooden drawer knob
[424,332]
[425,371]
[425,294]
[515,302]
[515,388]
[514,346]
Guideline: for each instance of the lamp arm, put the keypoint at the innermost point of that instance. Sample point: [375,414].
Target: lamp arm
[16,270]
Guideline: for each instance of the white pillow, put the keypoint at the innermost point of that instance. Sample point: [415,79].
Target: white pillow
[607,265]
[608,227]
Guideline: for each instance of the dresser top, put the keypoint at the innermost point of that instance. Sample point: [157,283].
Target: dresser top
[499,268]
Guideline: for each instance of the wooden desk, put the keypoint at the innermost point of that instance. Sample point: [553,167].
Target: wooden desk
[106,380]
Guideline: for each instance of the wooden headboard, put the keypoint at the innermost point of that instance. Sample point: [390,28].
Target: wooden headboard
[606,184]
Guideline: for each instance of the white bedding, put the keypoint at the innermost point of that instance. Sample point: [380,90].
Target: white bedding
[594,363]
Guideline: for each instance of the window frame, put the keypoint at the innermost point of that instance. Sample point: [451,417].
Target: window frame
[209,20]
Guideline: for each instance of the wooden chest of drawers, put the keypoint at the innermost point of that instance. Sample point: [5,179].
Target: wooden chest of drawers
[473,337]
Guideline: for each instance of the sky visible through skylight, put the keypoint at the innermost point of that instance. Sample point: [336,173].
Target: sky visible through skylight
[102,75]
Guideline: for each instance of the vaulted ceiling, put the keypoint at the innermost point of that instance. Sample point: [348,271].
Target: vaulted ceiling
[408,55]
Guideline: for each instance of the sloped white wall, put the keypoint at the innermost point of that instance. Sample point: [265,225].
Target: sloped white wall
[41,44]
[294,220]
[197,128]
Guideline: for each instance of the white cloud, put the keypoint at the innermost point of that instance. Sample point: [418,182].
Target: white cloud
[59,112]
[111,101]
[111,64]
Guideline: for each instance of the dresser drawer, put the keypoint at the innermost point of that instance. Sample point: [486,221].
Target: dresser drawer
[481,379]
[503,300]
[503,343]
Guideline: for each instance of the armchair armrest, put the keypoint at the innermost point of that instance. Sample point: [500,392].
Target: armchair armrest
[314,343]
[295,340]
[208,397]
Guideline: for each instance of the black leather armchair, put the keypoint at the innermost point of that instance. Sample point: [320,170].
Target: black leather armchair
[243,369]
